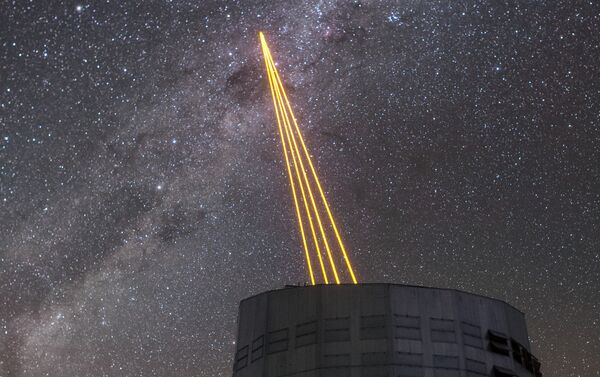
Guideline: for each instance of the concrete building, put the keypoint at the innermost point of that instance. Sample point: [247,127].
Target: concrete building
[380,330]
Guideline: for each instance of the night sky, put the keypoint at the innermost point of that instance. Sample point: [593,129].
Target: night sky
[143,192]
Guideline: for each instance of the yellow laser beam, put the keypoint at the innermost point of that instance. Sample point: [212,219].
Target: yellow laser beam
[316,178]
[300,183]
[299,177]
[280,109]
[278,90]
[284,112]
[312,277]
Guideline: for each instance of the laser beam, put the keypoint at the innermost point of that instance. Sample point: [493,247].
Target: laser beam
[290,132]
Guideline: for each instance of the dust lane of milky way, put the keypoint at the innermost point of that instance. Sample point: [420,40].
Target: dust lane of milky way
[143,191]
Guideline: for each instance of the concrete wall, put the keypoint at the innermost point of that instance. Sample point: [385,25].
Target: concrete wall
[377,330]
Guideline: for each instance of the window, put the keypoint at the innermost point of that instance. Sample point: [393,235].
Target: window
[498,342]
[337,329]
[373,358]
[407,327]
[410,371]
[442,330]
[471,335]
[257,348]
[448,362]
[516,351]
[503,372]
[306,334]
[277,341]
[527,361]
[336,360]
[476,366]
[241,358]
[372,327]
[409,358]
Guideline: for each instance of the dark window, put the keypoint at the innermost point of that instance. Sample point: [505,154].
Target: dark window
[443,336]
[527,360]
[449,362]
[371,371]
[407,333]
[257,348]
[442,330]
[277,341]
[241,358]
[471,329]
[516,351]
[409,371]
[476,374]
[407,327]
[472,341]
[408,358]
[407,320]
[442,324]
[373,358]
[372,327]
[336,360]
[337,329]
[498,343]
[475,366]
[503,372]
[306,334]
[471,335]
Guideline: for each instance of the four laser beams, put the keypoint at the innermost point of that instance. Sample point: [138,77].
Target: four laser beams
[308,195]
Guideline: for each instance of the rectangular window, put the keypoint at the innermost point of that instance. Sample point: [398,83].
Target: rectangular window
[408,358]
[442,324]
[409,371]
[475,366]
[527,361]
[471,329]
[306,334]
[241,358]
[373,358]
[257,348]
[443,336]
[337,329]
[448,362]
[472,341]
[471,335]
[498,342]
[503,372]
[407,320]
[277,341]
[336,360]
[516,351]
[442,330]
[407,327]
[372,327]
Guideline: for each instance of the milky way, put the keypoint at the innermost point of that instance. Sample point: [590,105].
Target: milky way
[143,192]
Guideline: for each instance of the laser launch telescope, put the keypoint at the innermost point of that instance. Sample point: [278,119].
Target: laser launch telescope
[330,329]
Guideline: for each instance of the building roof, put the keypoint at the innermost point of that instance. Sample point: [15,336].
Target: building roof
[291,286]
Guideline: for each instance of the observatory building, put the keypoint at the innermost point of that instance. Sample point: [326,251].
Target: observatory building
[380,330]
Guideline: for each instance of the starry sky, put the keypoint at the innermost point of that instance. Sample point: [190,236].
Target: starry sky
[143,191]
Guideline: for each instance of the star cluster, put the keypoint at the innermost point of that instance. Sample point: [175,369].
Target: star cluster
[143,192]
